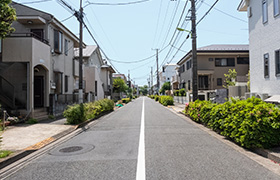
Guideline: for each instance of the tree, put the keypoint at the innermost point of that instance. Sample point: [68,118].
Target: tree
[119,85]
[165,87]
[144,90]
[7,16]
[230,78]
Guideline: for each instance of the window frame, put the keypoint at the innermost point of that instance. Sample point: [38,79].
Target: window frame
[66,83]
[219,81]
[220,64]
[241,60]
[276,3]
[277,63]
[266,65]
[58,38]
[264,11]
[66,46]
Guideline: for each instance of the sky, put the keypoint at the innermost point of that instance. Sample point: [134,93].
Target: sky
[132,32]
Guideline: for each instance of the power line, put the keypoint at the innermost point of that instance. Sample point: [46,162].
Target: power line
[115,4]
[207,12]
[226,13]
[159,12]
[171,22]
[100,47]
[137,61]
[33,2]
[67,18]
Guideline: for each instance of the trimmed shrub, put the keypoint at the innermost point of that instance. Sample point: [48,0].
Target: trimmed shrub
[166,100]
[77,113]
[156,97]
[176,93]
[250,123]
[182,92]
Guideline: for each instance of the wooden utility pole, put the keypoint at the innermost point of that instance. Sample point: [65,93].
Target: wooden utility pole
[80,18]
[194,53]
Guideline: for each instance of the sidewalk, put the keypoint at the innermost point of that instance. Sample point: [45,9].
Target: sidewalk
[272,154]
[23,139]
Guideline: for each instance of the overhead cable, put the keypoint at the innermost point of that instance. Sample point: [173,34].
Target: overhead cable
[115,4]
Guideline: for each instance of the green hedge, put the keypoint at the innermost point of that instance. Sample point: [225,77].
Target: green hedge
[250,123]
[166,100]
[79,113]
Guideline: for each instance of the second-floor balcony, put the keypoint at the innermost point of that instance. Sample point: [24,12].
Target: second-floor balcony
[25,47]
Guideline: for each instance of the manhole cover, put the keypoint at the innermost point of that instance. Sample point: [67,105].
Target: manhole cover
[72,150]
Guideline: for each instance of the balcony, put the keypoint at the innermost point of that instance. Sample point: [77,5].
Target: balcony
[25,47]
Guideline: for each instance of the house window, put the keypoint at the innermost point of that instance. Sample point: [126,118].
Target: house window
[264,11]
[243,60]
[95,88]
[276,7]
[202,82]
[66,83]
[224,62]
[189,85]
[58,37]
[266,66]
[277,62]
[58,81]
[66,47]
[219,81]
[188,65]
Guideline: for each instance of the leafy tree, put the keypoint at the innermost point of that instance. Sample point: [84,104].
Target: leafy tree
[7,16]
[119,85]
[230,78]
[144,90]
[165,87]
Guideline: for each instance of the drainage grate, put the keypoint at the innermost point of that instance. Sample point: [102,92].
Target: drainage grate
[71,149]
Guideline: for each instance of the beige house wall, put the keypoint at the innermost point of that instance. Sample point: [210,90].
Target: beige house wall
[206,67]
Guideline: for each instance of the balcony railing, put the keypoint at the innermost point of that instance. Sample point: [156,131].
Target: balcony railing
[29,34]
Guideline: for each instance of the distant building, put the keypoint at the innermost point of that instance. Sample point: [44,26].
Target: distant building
[212,63]
[168,71]
[264,38]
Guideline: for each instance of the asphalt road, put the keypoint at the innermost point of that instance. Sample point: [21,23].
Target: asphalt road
[172,148]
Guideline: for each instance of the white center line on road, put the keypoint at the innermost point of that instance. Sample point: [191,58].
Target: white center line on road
[141,169]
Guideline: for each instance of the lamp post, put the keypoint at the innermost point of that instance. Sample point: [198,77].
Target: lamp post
[194,61]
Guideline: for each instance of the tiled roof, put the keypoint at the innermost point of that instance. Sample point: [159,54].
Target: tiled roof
[86,51]
[225,47]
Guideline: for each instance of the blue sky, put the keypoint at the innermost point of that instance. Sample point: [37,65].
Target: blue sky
[129,32]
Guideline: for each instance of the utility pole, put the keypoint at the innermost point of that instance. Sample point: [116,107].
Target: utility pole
[152,80]
[80,18]
[194,53]
[157,71]
[79,15]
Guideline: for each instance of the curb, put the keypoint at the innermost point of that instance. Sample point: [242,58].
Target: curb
[31,149]
[260,151]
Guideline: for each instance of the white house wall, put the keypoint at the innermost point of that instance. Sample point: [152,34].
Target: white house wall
[264,38]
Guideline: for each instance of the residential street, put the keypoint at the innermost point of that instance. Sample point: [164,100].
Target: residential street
[171,148]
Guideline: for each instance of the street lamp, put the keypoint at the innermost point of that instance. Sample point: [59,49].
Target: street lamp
[194,61]
[180,29]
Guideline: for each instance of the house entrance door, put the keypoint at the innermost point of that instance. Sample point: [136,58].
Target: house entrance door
[38,91]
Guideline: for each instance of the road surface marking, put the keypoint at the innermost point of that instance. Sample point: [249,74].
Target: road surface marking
[141,169]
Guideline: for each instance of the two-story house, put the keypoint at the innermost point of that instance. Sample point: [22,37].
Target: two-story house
[168,72]
[36,65]
[93,61]
[264,38]
[212,63]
